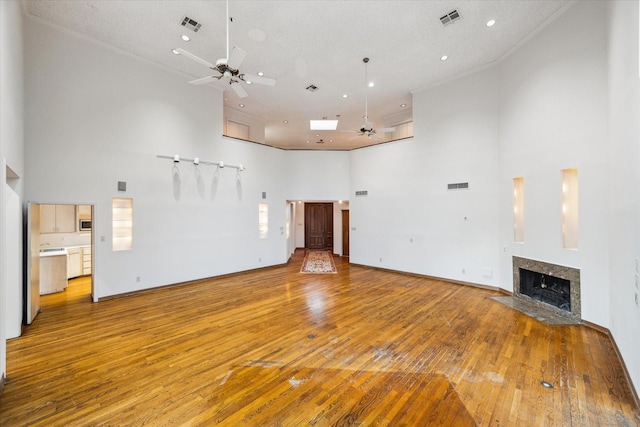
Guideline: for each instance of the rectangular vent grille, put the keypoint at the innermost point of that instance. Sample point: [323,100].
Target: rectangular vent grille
[190,24]
[312,88]
[362,193]
[458,186]
[450,17]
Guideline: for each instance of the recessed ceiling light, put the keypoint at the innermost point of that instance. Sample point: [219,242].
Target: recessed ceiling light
[249,82]
[344,95]
[491,23]
[371,84]
[444,58]
[403,105]
[285,121]
[185,37]
[260,73]
[241,105]
[175,51]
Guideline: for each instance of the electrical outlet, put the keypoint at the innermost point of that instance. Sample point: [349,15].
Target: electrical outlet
[464,271]
[137,278]
[380,259]
[103,238]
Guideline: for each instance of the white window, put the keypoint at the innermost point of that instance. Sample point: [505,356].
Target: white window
[237,130]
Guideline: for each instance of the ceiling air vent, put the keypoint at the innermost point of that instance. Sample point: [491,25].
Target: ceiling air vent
[450,17]
[458,186]
[190,24]
[312,88]
[362,193]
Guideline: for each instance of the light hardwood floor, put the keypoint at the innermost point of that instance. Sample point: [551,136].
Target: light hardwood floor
[274,347]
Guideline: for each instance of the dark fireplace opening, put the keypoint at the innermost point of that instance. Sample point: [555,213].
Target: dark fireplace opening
[548,289]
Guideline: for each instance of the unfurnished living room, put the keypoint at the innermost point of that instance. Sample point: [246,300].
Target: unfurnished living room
[290,213]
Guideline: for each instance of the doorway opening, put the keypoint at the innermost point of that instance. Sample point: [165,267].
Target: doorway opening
[60,248]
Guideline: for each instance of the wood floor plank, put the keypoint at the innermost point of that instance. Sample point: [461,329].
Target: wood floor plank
[276,347]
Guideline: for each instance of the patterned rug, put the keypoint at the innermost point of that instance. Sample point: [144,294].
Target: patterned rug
[318,262]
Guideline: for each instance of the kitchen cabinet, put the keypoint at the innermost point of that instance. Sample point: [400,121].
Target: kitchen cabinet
[74,262]
[57,218]
[86,260]
[53,271]
[84,211]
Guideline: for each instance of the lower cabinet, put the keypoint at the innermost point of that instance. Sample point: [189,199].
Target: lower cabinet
[74,262]
[78,261]
[86,260]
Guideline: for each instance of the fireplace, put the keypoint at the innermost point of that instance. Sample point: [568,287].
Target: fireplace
[551,287]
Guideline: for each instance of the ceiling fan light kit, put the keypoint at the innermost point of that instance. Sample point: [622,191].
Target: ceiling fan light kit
[228,67]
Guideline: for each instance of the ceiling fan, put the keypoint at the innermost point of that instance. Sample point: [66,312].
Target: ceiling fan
[229,68]
[367,128]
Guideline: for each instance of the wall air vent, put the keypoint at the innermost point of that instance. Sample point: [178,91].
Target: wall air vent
[190,24]
[312,88]
[450,17]
[362,193]
[458,186]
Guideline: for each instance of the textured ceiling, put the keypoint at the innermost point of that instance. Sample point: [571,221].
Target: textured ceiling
[313,42]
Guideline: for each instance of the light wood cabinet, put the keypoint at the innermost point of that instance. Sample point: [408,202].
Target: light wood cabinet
[57,218]
[86,260]
[74,262]
[84,211]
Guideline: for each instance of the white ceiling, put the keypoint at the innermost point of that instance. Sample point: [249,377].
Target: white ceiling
[313,42]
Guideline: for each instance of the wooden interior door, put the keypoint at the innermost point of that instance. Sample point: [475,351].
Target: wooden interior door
[318,225]
[345,233]
[32,283]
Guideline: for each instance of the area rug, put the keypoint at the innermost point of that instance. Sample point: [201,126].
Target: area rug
[318,262]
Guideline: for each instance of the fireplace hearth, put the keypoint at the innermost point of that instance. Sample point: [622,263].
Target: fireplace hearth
[551,287]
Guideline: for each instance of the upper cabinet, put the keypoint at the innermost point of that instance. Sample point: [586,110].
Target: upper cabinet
[84,211]
[57,218]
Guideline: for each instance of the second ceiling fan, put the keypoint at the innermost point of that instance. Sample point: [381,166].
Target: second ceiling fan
[367,128]
[229,68]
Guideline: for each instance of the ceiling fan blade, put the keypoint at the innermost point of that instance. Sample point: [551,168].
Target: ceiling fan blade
[267,81]
[386,130]
[376,137]
[195,58]
[204,80]
[236,57]
[239,90]
[354,137]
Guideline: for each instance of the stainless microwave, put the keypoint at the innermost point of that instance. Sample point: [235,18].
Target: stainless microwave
[85,225]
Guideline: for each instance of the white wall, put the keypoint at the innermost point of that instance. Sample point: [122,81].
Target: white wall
[624,180]
[11,156]
[409,221]
[553,116]
[98,116]
[317,175]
